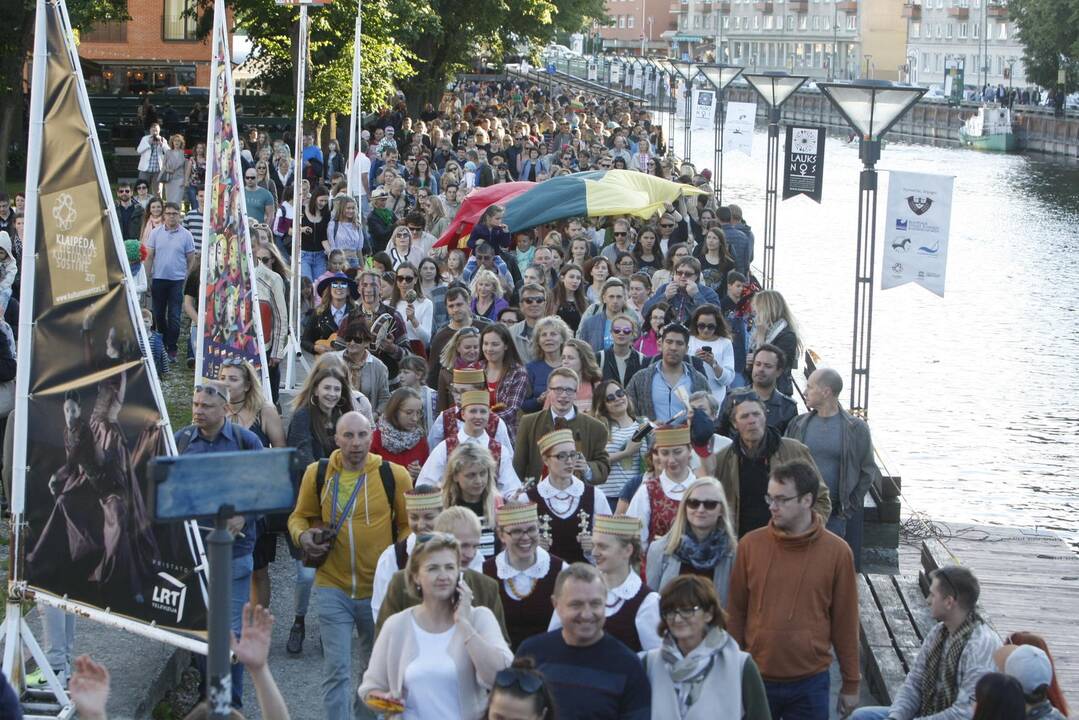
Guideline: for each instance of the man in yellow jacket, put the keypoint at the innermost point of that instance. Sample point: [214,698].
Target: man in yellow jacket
[349,494]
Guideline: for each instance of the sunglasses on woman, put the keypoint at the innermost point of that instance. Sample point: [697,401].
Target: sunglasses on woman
[695,504]
[616,395]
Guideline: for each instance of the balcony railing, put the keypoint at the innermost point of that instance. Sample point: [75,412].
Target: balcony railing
[997,10]
[764,7]
[847,6]
[799,7]
[959,13]
[912,11]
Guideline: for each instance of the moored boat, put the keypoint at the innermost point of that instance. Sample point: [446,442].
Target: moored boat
[990,129]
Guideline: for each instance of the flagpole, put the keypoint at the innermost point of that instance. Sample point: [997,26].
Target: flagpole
[356,118]
[297,209]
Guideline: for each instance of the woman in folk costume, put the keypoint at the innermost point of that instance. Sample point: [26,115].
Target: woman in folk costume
[476,412]
[469,481]
[656,500]
[567,505]
[450,420]
[525,572]
[632,610]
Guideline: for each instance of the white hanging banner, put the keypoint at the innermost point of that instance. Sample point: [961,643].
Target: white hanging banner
[638,78]
[680,103]
[738,127]
[616,72]
[593,70]
[704,109]
[916,230]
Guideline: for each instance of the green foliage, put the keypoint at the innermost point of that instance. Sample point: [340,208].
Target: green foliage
[1048,29]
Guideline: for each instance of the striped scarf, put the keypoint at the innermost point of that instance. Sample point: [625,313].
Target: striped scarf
[938,696]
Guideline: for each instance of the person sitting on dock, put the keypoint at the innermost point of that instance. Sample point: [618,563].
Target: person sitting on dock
[843,450]
[956,653]
[1032,667]
[766,367]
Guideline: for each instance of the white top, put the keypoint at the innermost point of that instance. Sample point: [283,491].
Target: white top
[425,313]
[723,351]
[641,508]
[627,469]
[519,583]
[387,566]
[359,170]
[436,433]
[564,502]
[431,473]
[430,681]
[647,620]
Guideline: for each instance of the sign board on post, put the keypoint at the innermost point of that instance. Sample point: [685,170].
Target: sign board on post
[704,109]
[738,125]
[916,230]
[593,70]
[803,170]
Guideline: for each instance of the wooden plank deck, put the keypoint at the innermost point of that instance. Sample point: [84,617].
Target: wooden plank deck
[1029,580]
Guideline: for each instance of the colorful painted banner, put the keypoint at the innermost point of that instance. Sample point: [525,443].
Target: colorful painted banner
[230,326]
[916,230]
[89,413]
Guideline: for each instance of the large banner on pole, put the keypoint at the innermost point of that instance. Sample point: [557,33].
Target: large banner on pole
[738,126]
[803,166]
[704,109]
[593,70]
[230,325]
[916,230]
[89,412]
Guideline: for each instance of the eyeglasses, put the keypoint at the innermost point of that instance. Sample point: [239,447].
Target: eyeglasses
[123,191]
[250,177]
[565,456]
[470,330]
[533,300]
[529,682]
[616,395]
[620,234]
[666,225]
[233,361]
[686,273]
[780,500]
[622,330]
[211,390]
[562,390]
[695,504]
[706,326]
[406,278]
[681,613]
[339,285]
[518,533]
[415,229]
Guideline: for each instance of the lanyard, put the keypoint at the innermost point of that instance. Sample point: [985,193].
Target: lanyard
[338,522]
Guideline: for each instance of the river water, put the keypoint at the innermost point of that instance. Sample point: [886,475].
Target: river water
[974,397]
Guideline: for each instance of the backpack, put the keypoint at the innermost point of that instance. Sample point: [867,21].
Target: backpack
[389,485]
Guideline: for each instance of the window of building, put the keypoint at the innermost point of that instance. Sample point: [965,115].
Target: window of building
[726,22]
[803,22]
[629,21]
[852,22]
[975,29]
[948,31]
[827,22]
[962,31]
[106,32]
[1003,31]
[790,22]
[816,22]
[915,29]
[179,20]
[756,22]
[768,22]
[621,21]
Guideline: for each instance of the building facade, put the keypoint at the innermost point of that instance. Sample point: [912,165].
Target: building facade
[636,25]
[154,50]
[974,34]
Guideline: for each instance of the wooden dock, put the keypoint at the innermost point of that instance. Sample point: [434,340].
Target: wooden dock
[1029,581]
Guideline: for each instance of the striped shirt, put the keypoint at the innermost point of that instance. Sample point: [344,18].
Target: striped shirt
[627,469]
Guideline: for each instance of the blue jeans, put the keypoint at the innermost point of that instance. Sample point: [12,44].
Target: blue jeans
[874,712]
[312,264]
[338,614]
[191,194]
[242,567]
[59,638]
[851,530]
[805,699]
[168,298]
[305,580]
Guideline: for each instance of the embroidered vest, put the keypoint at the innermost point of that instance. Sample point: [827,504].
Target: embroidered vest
[564,531]
[623,624]
[662,509]
[452,415]
[528,617]
[493,445]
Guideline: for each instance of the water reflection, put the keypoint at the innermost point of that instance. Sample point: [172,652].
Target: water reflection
[975,397]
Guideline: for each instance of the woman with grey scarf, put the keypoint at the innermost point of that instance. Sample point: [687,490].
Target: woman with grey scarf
[699,672]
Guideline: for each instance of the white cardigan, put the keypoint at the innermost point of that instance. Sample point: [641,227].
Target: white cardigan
[396,647]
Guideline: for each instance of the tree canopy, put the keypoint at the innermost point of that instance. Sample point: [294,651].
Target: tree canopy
[1049,29]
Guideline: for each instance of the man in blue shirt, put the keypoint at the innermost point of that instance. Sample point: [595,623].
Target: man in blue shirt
[169,248]
[652,388]
[591,674]
[260,204]
[211,432]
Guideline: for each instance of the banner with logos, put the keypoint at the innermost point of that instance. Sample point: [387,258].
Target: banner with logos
[89,412]
[230,326]
[638,78]
[704,110]
[803,167]
[616,73]
[593,70]
[916,230]
[738,125]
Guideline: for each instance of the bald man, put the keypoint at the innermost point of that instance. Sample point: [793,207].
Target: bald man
[361,497]
[843,450]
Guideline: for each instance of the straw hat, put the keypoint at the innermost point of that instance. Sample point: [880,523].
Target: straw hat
[516,514]
[420,500]
[475,397]
[672,437]
[469,376]
[621,525]
[556,437]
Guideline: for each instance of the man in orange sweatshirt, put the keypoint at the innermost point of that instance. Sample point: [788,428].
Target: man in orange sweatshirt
[794,597]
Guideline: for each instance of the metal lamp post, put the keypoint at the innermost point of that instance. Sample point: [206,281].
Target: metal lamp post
[686,69]
[775,88]
[871,107]
[719,77]
[664,65]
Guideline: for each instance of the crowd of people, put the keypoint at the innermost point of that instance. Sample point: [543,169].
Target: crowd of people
[551,473]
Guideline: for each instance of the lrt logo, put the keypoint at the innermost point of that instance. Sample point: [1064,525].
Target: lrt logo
[169,596]
[901,224]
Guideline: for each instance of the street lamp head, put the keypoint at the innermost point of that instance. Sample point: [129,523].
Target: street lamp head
[872,107]
[775,87]
[720,76]
[686,68]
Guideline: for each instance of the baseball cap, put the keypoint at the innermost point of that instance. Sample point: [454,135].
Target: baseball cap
[1030,666]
